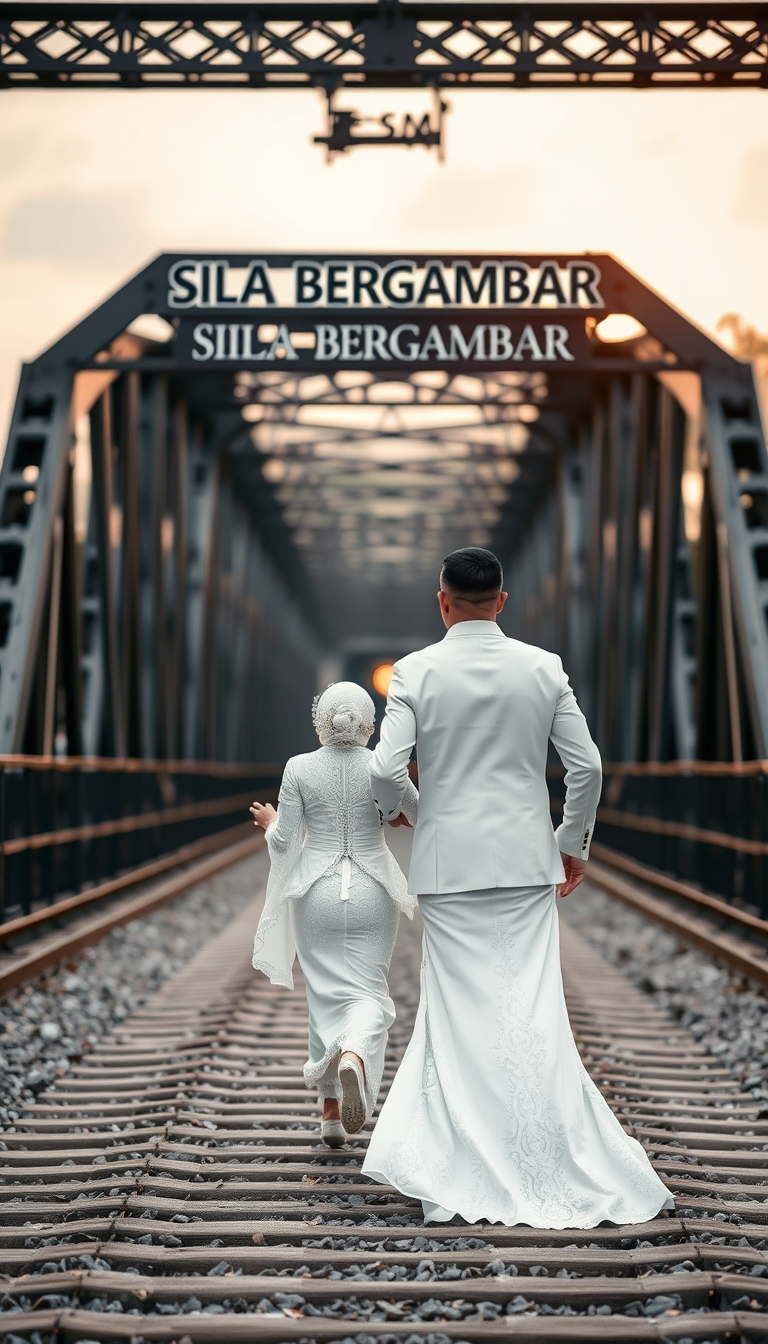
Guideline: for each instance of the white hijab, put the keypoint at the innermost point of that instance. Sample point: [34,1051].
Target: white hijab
[344,715]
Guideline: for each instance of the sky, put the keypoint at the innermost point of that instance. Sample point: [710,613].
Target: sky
[95,183]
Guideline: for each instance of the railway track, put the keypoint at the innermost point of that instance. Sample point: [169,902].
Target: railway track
[172,1187]
[725,933]
[71,924]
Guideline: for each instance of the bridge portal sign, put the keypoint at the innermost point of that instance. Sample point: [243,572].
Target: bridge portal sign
[382,313]
[388,314]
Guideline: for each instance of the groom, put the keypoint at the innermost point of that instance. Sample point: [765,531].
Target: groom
[478,1121]
[481,709]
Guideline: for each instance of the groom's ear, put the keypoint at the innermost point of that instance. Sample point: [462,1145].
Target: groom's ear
[500,604]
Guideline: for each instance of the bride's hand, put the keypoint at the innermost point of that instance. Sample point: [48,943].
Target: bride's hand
[400,820]
[263,815]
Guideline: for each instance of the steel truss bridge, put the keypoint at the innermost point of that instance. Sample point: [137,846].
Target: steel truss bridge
[240,472]
[236,480]
[385,45]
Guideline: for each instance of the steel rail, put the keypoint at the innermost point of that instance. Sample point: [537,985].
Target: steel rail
[22,924]
[705,907]
[181,1160]
[752,925]
[75,824]
[28,965]
[668,804]
[702,921]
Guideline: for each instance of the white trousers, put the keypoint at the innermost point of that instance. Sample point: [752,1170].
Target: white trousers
[345,928]
[492,1114]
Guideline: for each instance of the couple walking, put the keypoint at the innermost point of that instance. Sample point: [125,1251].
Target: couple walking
[491,1114]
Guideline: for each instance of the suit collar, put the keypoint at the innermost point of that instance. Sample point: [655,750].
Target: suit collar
[465,629]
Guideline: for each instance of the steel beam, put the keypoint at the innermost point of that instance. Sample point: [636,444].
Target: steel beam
[52,652]
[737,461]
[683,655]
[130,619]
[92,663]
[180,442]
[35,473]
[113,725]
[152,493]
[629,635]
[202,498]
[71,626]
[385,45]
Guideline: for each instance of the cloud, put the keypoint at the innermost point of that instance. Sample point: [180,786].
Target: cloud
[17,148]
[661,146]
[750,201]
[463,198]
[77,229]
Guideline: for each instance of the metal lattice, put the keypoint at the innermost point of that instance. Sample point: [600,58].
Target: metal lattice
[385,45]
[245,524]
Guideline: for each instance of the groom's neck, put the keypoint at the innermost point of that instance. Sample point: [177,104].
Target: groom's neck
[454,608]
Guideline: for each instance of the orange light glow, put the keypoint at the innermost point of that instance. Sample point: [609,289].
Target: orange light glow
[382,677]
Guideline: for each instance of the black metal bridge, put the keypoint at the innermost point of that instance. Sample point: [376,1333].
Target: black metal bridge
[425,43]
[236,480]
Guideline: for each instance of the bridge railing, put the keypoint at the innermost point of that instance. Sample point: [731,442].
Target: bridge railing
[701,822]
[70,824]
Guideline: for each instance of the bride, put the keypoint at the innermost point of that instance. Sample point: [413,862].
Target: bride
[333,896]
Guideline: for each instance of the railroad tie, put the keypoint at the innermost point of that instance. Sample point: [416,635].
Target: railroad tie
[173,1187]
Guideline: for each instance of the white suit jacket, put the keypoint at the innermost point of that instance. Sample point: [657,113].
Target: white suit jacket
[481,709]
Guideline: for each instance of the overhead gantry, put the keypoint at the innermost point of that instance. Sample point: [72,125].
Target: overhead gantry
[334,44]
[241,472]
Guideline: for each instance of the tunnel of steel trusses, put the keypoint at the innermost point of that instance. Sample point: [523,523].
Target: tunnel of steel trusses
[187,553]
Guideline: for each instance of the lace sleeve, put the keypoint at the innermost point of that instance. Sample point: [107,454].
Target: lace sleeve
[409,805]
[282,834]
[273,947]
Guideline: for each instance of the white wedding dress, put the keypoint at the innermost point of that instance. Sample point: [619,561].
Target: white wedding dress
[334,896]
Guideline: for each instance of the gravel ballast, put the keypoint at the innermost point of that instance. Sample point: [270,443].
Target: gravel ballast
[369,1290]
[59,1018]
[725,1013]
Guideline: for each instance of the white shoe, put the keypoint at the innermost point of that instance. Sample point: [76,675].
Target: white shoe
[352,1094]
[332,1132]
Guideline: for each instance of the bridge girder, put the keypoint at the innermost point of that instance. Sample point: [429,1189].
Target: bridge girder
[86,44]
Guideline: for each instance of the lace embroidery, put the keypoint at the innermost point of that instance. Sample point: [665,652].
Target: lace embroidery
[345,949]
[535,1141]
[326,813]
[628,1153]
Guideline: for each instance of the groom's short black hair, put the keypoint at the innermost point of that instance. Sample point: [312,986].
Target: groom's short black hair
[472,573]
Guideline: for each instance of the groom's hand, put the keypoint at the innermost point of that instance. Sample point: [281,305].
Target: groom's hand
[399,821]
[574,874]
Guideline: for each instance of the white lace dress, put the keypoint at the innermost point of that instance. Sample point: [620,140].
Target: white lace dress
[334,896]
